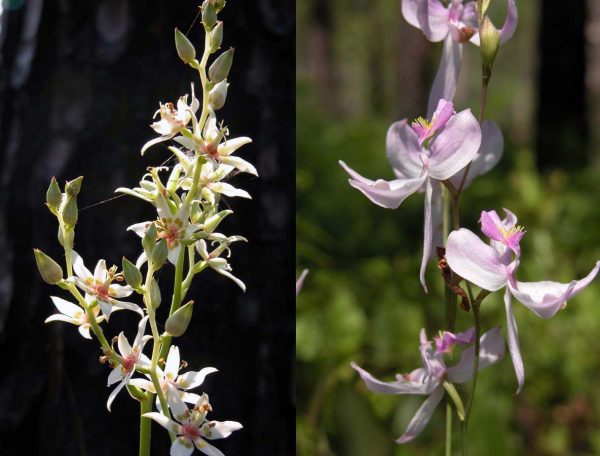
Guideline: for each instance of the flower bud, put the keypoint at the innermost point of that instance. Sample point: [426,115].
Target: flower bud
[50,270]
[213,221]
[159,254]
[177,324]
[149,240]
[53,196]
[132,274]
[218,95]
[72,188]
[221,66]
[216,37]
[152,297]
[185,48]
[70,213]
[490,40]
[218,4]
[209,16]
[66,237]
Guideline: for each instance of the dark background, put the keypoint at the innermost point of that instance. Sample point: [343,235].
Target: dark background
[79,82]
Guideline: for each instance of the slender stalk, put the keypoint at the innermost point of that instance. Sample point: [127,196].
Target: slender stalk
[145,426]
[475,308]
[204,80]
[464,442]
[448,429]
[176,301]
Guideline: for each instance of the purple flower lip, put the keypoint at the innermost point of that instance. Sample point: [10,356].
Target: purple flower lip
[446,341]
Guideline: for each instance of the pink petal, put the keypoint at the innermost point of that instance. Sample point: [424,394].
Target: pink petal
[433,19]
[510,24]
[446,78]
[427,233]
[400,386]
[300,281]
[475,261]
[512,334]
[455,146]
[403,150]
[423,415]
[491,350]
[409,11]
[546,298]
[383,193]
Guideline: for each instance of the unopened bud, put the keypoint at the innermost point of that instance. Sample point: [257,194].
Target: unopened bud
[218,4]
[218,95]
[50,270]
[177,324]
[185,48]
[152,297]
[66,236]
[132,274]
[216,37]
[159,254]
[490,40]
[209,15]
[53,196]
[70,213]
[72,188]
[149,240]
[219,70]
[213,221]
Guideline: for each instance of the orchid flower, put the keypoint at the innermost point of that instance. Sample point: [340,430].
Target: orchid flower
[422,155]
[132,357]
[99,287]
[300,281]
[429,380]
[214,260]
[446,341]
[455,24]
[192,427]
[173,228]
[172,120]
[216,148]
[72,313]
[493,267]
[172,382]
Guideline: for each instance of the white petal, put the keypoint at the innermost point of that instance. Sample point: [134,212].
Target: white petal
[237,281]
[240,164]
[67,308]
[60,317]
[100,272]
[84,330]
[165,422]
[139,228]
[173,360]
[192,379]
[423,415]
[231,145]
[119,291]
[79,268]
[113,394]
[182,446]
[220,429]
[123,345]
[207,448]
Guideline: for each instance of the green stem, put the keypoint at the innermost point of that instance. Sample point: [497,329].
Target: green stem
[176,301]
[91,317]
[448,428]
[204,80]
[145,426]
[475,307]
[463,435]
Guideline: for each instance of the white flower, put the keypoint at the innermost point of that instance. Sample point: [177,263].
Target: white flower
[173,228]
[75,315]
[99,287]
[213,259]
[172,120]
[172,383]
[132,357]
[192,427]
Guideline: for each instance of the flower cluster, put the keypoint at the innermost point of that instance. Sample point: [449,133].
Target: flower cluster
[443,153]
[185,235]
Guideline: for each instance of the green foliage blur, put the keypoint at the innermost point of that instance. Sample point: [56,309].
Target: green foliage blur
[362,300]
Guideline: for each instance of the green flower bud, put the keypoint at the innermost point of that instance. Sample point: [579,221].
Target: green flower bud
[209,16]
[159,254]
[50,270]
[72,188]
[53,196]
[218,4]
[185,48]
[213,221]
[70,213]
[219,70]
[490,40]
[218,95]
[149,240]
[132,274]
[66,237]
[177,324]
[152,297]
[216,37]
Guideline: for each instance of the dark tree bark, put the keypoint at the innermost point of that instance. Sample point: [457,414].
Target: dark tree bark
[79,82]
[562,130]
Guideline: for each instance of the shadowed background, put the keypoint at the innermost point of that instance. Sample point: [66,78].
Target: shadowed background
[79,82]
[362,67]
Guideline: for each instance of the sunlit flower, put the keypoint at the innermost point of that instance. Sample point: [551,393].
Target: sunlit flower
[132,357]
[214,260]
[75,315]
[192,427]
[429,379]
[99,287]
[494,266]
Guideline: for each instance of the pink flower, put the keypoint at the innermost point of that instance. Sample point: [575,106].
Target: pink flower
[455,24]
[493,267]
[421,158]
[428,380]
